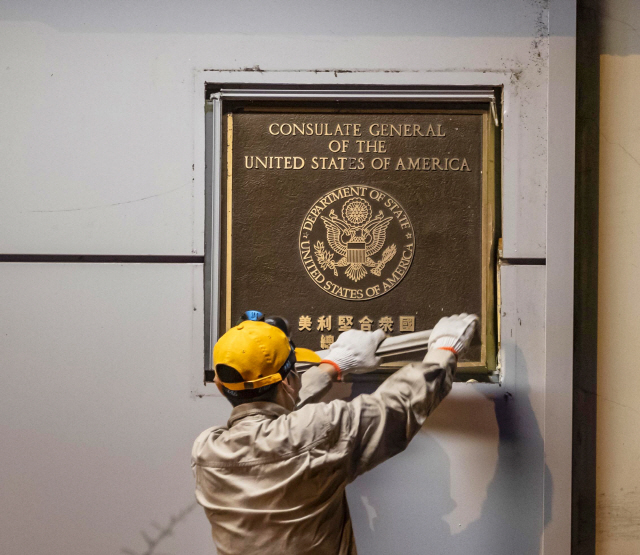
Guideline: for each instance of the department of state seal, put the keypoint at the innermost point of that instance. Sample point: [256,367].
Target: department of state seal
[356,242]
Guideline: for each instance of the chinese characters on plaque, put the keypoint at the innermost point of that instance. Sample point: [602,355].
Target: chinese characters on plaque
[327,323]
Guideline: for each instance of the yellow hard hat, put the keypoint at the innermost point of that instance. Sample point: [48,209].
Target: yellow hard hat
[259,352]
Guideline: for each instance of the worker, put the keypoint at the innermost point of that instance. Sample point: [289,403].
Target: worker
[272,481]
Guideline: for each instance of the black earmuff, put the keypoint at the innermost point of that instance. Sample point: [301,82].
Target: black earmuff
[283,325]
[280,323]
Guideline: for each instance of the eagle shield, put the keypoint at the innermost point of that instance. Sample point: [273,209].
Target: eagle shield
[356,238]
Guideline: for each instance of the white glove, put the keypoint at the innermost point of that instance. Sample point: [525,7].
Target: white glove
[355,351]
[453,333]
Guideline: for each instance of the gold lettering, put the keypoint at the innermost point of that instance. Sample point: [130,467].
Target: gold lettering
[386,324]
[326,341]
[304,323]
[373,291]
[380,163]
[407,323]
[345,323]
[371,146]
[275,162]
[308,262]
[365,323]
[309,129]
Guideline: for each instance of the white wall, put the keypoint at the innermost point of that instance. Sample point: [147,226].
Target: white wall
[102,153]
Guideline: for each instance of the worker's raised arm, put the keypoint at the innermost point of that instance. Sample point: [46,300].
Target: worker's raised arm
[382,424]
[375,427]
[316,383]
[354,352]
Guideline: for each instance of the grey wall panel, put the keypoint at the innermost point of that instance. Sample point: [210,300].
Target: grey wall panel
[102,135]
[96,416]
[472,481]
[102,152]
[97,421]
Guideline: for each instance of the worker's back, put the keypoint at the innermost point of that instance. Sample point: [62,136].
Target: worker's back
[273,481]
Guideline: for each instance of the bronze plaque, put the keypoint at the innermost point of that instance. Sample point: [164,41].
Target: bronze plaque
[358,219]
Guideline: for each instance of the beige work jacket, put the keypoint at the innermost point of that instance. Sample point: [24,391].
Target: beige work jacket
[272,482]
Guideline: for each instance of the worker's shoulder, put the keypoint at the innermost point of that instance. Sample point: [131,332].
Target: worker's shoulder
[204,441]
[318,421]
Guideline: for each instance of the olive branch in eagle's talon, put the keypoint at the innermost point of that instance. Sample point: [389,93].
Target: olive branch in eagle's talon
[325,258]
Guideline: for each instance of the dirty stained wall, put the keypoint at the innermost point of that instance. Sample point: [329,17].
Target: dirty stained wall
[618,383]
[102,154]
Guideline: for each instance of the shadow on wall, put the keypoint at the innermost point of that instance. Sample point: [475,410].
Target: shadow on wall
[400,507]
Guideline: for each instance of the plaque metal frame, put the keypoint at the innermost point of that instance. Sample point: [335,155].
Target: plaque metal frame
[216,284]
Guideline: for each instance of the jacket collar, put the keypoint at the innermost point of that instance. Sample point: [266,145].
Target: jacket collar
[263,408]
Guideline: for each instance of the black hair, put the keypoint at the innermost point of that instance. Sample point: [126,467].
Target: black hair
[227,374]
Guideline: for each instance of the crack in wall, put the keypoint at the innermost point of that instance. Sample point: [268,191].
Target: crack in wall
[106,205]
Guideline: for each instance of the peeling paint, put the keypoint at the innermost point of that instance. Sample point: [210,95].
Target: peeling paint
[335,71]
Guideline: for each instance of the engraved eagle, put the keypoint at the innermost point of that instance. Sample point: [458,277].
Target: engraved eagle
[356,237]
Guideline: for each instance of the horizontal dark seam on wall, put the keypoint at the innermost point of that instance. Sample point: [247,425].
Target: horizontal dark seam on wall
[523,261]
[104,258]
[336,71]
